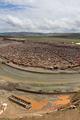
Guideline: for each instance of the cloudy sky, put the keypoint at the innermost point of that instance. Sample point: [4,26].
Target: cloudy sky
[40,15]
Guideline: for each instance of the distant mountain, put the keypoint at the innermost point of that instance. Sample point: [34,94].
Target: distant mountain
[21,34]
[25,34]
[66,35]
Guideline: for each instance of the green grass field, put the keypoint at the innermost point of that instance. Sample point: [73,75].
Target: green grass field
[49,39]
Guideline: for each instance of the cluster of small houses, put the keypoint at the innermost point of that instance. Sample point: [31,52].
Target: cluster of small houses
[44,55]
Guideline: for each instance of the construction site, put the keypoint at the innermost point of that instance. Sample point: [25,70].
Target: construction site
[38,79]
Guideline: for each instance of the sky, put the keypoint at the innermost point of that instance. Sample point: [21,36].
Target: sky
[47,16]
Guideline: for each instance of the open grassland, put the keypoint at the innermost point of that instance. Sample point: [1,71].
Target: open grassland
[48,39]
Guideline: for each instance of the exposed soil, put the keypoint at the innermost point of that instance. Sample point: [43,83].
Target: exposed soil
[65,115]
[43,55]
[47,55]
[40,104]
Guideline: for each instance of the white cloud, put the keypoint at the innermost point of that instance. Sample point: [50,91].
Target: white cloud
[14,21]
[19,23]
[18,1]
[47,16]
